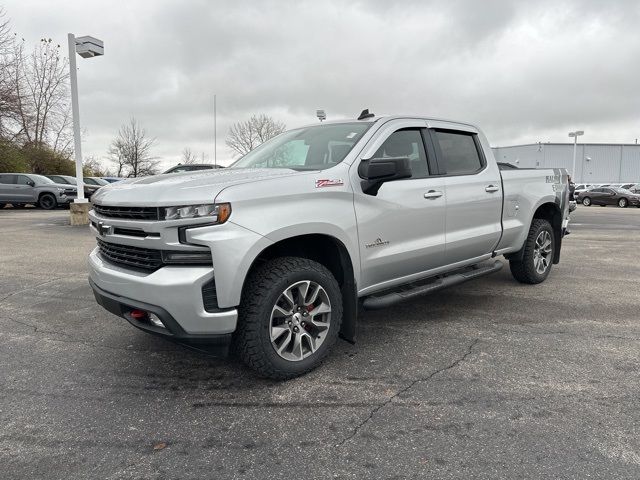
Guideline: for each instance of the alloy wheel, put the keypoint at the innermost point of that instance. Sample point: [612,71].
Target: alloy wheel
[542,252]
[300,320]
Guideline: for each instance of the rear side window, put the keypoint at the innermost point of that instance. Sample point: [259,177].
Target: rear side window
[458,152]
[7,179]
[406,143]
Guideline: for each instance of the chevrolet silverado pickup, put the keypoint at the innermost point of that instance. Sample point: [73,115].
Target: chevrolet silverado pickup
[275,255]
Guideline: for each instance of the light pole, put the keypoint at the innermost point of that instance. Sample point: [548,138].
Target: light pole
[575,136]
[86,47]
[215,133]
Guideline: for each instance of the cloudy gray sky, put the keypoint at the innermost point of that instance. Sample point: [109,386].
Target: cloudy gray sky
[523,71]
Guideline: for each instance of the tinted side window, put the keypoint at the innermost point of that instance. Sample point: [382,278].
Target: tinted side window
[406,143]
[459,154]
[22,180]
[7,179]
[89,181]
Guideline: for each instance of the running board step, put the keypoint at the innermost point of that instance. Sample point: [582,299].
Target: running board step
[386,300]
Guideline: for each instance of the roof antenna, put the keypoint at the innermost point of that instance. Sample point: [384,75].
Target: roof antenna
[365,114]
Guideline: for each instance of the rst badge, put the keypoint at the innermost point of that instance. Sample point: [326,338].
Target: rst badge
[329,183]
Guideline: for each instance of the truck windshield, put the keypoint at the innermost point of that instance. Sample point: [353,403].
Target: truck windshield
[310,148]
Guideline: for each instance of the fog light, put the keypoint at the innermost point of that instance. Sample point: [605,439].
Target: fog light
[155,320]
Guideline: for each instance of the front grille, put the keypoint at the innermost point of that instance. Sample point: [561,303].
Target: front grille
[210,296]
[143,258]
[133,213]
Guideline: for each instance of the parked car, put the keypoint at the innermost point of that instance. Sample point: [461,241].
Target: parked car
[95,181]
[69,180]
[192,167]
[21,189]
[112,179]
[275,253]
[604,196]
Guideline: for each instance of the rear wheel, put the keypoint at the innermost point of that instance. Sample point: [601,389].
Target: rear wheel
[537,258]
[586,201]
[47,201]
[623,202]
[290,316]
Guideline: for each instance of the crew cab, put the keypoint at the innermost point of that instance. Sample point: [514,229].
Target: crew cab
[275,254]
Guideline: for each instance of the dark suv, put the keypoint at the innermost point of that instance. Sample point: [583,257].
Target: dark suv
[89,189]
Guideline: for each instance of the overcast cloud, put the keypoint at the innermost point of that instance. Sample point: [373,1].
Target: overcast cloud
[523,71]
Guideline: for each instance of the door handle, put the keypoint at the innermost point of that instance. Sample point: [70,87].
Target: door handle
[491,188]
[433,194]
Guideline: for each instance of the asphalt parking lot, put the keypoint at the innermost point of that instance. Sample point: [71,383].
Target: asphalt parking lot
[491,379]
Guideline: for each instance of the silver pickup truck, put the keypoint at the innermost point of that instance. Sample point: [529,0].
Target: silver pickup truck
[275,255]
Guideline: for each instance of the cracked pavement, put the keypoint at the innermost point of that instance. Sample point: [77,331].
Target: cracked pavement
[491,379]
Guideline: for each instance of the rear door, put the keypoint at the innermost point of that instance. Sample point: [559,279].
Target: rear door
[7,185]
[474,194]
[401,228]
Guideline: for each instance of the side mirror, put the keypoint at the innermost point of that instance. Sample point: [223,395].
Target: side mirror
[31,183]
[377,171]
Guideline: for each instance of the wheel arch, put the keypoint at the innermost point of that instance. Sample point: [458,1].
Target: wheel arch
[328,251]
[46,192]
[550,211]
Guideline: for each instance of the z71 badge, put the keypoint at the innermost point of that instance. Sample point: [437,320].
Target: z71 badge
[329,183]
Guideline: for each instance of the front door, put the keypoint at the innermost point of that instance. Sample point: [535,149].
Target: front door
[401,228]
[24,190]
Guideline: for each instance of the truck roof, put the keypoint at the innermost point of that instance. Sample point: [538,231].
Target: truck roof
[385,118]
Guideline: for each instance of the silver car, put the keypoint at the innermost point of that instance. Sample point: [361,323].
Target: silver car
[20,189]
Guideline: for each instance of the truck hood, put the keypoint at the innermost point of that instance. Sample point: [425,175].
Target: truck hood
[182,188]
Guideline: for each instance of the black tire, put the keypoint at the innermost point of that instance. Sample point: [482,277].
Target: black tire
[586,201]
[623,203]
[524,270]
[47,201]
[264,286]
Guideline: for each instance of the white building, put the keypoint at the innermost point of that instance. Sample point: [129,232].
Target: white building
[595,162]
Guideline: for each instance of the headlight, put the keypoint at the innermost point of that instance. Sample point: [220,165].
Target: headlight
[217,213]
[60,189]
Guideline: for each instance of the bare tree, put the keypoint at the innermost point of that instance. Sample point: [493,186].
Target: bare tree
[131,151]
[188,156]
[8,100]
[246,135]
[40,85]
[93,167]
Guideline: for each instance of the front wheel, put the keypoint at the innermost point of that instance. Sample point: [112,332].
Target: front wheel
[622,203]
[586,201]
[289,317]
[47,201]
[537,258]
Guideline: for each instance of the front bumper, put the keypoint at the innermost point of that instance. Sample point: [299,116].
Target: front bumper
[174,292]
[122,307]
[64,199]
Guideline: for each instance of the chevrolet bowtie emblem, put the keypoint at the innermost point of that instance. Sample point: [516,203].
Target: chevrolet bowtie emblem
[104,229]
